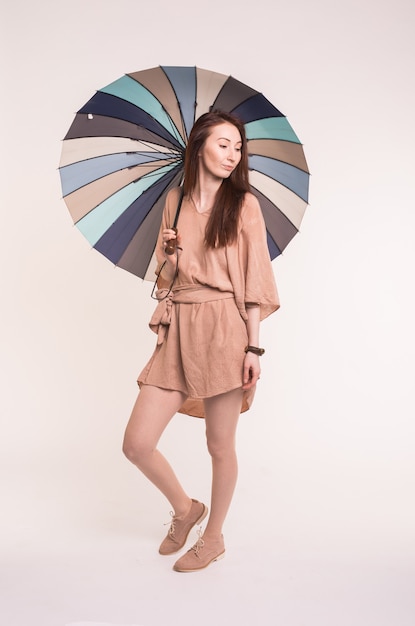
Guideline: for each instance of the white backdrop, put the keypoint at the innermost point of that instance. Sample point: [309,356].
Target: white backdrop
[327,452]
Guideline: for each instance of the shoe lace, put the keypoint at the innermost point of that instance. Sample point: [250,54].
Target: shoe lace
[172,524]
[199,543]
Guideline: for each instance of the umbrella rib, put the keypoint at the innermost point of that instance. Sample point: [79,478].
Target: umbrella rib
[149,175]
[150,145]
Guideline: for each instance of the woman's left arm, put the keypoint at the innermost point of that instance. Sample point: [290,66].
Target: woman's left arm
[252,368]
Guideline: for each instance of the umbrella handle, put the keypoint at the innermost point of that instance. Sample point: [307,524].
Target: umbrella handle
[171,244]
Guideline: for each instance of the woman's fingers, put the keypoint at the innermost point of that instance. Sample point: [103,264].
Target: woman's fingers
[251,371]
[168,233]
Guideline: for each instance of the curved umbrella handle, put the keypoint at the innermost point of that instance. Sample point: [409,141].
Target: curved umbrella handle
[171,244]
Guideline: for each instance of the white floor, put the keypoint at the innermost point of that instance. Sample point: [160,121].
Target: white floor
[118,581]
[76,552]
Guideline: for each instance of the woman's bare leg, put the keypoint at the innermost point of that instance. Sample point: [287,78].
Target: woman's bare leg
[222,414]
[152,412]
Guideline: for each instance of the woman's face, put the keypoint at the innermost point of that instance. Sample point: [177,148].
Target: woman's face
[221,151]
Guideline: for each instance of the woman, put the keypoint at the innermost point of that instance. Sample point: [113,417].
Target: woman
[206,362]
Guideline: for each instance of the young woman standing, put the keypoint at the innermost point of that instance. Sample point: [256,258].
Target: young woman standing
[206,362]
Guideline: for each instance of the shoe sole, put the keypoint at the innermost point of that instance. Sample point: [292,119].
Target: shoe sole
[198,521]
[198,569]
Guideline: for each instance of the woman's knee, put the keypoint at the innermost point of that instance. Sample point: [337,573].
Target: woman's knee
[151,413]
[220,448]
[136,448]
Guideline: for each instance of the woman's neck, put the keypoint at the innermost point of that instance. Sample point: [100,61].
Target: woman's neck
[204,193]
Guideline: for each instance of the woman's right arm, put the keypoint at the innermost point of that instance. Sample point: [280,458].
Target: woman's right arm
[166,264]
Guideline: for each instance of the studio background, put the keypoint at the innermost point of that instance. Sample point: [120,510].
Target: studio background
[321,531]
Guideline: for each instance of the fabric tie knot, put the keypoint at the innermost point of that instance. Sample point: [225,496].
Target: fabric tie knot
[161,318]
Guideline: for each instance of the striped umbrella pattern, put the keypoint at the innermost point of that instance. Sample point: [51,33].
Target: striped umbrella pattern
[125,149]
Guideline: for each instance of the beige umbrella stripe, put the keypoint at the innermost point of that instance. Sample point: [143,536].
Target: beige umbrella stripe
[284,151]
[76,150]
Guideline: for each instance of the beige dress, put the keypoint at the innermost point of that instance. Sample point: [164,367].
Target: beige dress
[201,326]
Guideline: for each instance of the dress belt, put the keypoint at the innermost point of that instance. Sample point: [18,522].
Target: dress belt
[185,294]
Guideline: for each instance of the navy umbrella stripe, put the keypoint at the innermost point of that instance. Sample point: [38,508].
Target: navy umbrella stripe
[112,106]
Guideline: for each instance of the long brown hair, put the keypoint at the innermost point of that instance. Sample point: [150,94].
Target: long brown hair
[222,226]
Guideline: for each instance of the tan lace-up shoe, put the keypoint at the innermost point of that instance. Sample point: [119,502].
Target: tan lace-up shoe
[202,554]
[180,528]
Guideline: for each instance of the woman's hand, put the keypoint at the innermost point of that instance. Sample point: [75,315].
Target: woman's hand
[169,234]
[251,370]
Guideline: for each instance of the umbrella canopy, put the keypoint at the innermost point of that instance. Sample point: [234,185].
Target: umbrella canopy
[125,148]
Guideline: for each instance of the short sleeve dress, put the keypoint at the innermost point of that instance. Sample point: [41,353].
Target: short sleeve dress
[201,350]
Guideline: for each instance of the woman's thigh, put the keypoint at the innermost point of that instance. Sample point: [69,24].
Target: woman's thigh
[222,415]
[152,411]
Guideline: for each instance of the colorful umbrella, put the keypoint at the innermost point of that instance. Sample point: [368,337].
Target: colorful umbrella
[124,152]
